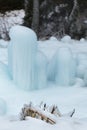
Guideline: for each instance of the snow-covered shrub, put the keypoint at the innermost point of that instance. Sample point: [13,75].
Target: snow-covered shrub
[9,19]
[22,57]
[3,107]
[65,67]
[41,70]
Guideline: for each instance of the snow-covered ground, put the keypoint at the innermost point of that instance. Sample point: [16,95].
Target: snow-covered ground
[66,98]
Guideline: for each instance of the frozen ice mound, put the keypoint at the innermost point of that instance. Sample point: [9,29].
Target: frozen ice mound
[85,77]
[53,38]
[81,64]
[41,68]
[65,67]
[66,39]
[51,69]
[3,107]
[81,70]
[22,52]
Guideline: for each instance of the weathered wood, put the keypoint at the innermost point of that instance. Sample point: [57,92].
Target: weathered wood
[37,113]
[43,112]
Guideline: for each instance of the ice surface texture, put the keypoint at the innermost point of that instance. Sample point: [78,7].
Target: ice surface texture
[29,67]
[62,67]
[22,57]
[3,107]
[66,39]
[82,64]
[65,67]
[26,65]
[41,70]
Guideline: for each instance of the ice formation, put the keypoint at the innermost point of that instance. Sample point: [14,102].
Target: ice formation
[3,107]
[29,67]
[10,58]
[85,77]
[81,70]
[65,67]
[82,64]
[81,58]
[22,57]
[51,69]
[66,39]
[82,40]
[41,68]
[53,39]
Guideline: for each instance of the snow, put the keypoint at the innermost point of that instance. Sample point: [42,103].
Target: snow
[10,19]
[66,98]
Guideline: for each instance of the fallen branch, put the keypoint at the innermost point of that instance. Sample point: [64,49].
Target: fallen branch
[36,112]
[43,112]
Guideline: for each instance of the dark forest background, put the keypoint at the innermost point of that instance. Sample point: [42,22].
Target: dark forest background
[53,18]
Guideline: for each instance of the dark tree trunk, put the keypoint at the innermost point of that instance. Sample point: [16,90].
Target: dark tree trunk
[28,5]
[54,18]
[35,19]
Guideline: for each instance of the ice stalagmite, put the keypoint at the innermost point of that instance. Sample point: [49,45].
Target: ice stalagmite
[22,53]
[65,67]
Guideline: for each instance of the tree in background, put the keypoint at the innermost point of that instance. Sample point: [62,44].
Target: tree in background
[55,18]
[31,18]
[28,6]
[52,17]
[35,18]
[7,5]
[73,19]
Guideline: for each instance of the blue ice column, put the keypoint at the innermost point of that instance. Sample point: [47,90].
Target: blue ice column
[22,61]
[65,67]
[42,63]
